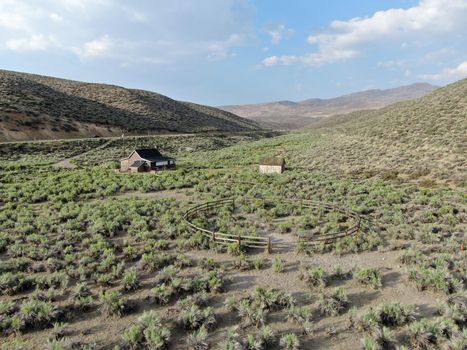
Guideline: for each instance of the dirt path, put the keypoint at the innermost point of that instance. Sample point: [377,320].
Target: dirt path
[163,194]
[66,163]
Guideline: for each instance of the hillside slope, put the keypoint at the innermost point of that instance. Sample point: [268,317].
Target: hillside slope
[421,140]
[34,106]
[290,115]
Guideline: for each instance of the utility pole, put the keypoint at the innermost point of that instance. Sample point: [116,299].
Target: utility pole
[123,143]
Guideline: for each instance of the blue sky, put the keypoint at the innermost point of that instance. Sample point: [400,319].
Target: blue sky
[238,51]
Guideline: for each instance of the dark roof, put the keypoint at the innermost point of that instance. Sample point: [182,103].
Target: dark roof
[137,163]
[148,153]
[151,154]
[272,161]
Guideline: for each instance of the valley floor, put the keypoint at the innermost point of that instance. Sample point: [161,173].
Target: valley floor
[86,252]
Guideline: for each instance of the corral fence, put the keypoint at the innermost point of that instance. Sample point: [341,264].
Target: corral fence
[267,243]
[224,238]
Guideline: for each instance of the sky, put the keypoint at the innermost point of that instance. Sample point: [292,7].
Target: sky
[220,52]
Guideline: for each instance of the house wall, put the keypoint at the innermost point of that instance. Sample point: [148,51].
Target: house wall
[271,169]
[134,157]
[125,163]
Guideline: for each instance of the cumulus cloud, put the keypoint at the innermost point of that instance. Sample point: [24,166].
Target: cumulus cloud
[346,39]
[448,73]
[142,31]
[96,48]
[278,32]
[312,59]
[32,43]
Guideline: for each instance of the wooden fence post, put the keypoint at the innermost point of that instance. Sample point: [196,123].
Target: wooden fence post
[269,245]
[239,240]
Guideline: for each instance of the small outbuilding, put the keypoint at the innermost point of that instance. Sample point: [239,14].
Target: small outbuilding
[146,160]
[272,165]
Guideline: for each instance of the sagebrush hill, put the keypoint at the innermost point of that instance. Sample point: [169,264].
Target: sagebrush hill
[35,106]
[291,115]
[421,140]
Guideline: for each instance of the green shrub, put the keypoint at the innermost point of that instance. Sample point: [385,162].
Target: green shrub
[242,263]
[235,249]
[198,339]
[334,302]
[250,313]
[289,341]
[130,280]
[147,333]
[435,279]
[278,264]
[314,277]
[411,256]
[12,283]
[388,315]
[258,262]
[194,317]
[112,303]
[37,313]
[161,294]
[208,264]
[369,277]
[455,308]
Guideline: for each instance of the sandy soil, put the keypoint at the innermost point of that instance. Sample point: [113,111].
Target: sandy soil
[92,327]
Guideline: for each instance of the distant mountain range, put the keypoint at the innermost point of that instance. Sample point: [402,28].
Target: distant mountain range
[40,107]
[290,115]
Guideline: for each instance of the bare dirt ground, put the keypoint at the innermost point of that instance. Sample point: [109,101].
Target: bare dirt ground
[92,327]
[179,195]
[329,332]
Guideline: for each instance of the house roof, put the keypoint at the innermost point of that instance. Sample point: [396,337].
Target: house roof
[150,154]
[277,161]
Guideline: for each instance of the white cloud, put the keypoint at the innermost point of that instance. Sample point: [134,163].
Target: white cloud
[391,64]
[312,59]
[448,73]
[271,61]
[139,17]
[32,43]
[278,32]
[56,17]
[96,48]
[345,39]
[143,31]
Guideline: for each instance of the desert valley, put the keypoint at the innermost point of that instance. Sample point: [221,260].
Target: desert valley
[132,220]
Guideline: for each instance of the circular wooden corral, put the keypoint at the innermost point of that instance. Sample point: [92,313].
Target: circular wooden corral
[266,242]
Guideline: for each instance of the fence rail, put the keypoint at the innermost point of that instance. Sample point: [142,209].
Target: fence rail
[266,242]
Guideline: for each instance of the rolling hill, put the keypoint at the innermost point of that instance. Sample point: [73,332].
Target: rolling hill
[34,106]
[420,140]
[291,115]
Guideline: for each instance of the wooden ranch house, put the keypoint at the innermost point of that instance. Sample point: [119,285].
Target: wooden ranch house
[273,165]
[146,160]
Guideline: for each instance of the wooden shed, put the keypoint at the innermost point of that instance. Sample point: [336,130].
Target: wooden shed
[146,160]
[272,165]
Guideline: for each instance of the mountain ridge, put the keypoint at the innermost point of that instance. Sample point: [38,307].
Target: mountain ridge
[291,115]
